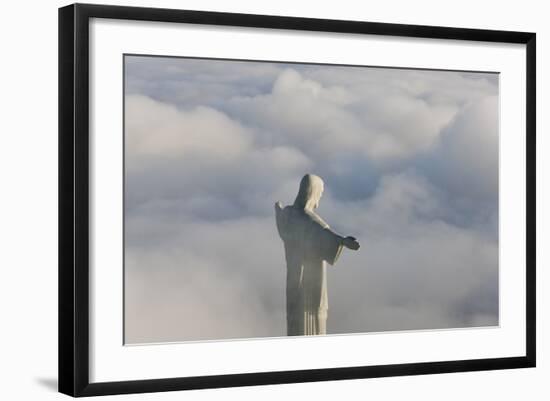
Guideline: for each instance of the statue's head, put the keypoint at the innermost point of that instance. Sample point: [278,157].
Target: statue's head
[310,192]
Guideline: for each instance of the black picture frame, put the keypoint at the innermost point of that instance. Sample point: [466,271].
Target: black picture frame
[74,193]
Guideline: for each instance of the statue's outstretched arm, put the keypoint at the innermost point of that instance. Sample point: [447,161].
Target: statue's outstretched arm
[351,243]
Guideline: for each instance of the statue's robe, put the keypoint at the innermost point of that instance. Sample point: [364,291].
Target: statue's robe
[308,242]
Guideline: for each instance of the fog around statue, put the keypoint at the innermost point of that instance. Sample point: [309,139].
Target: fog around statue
[309,242]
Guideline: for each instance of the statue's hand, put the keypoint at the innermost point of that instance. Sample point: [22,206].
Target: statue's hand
[351,243]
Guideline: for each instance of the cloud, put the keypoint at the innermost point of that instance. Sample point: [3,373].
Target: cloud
[467,151]
[211,280]
[464,164]
[414,270]
[410,163]
[228,277]
[189,82]
[199,160]
[161,130]
[383,114]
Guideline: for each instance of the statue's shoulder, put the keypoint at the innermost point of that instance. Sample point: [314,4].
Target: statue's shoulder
[314,218]
[305,216]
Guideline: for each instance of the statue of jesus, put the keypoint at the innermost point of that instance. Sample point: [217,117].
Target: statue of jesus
[309,243]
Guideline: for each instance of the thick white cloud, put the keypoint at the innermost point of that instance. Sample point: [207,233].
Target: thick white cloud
[302,113]
[410,162]
[196,81]
[205,281]
[467,152]
[186,161]
[377,113]
[411,263]
[228,276]
[159,130]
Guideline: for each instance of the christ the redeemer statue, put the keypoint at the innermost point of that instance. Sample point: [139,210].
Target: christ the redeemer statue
[309,243]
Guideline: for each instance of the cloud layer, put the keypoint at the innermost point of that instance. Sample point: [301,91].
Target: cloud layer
[410,164]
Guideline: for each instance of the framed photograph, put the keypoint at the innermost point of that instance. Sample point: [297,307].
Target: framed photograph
[252,199]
